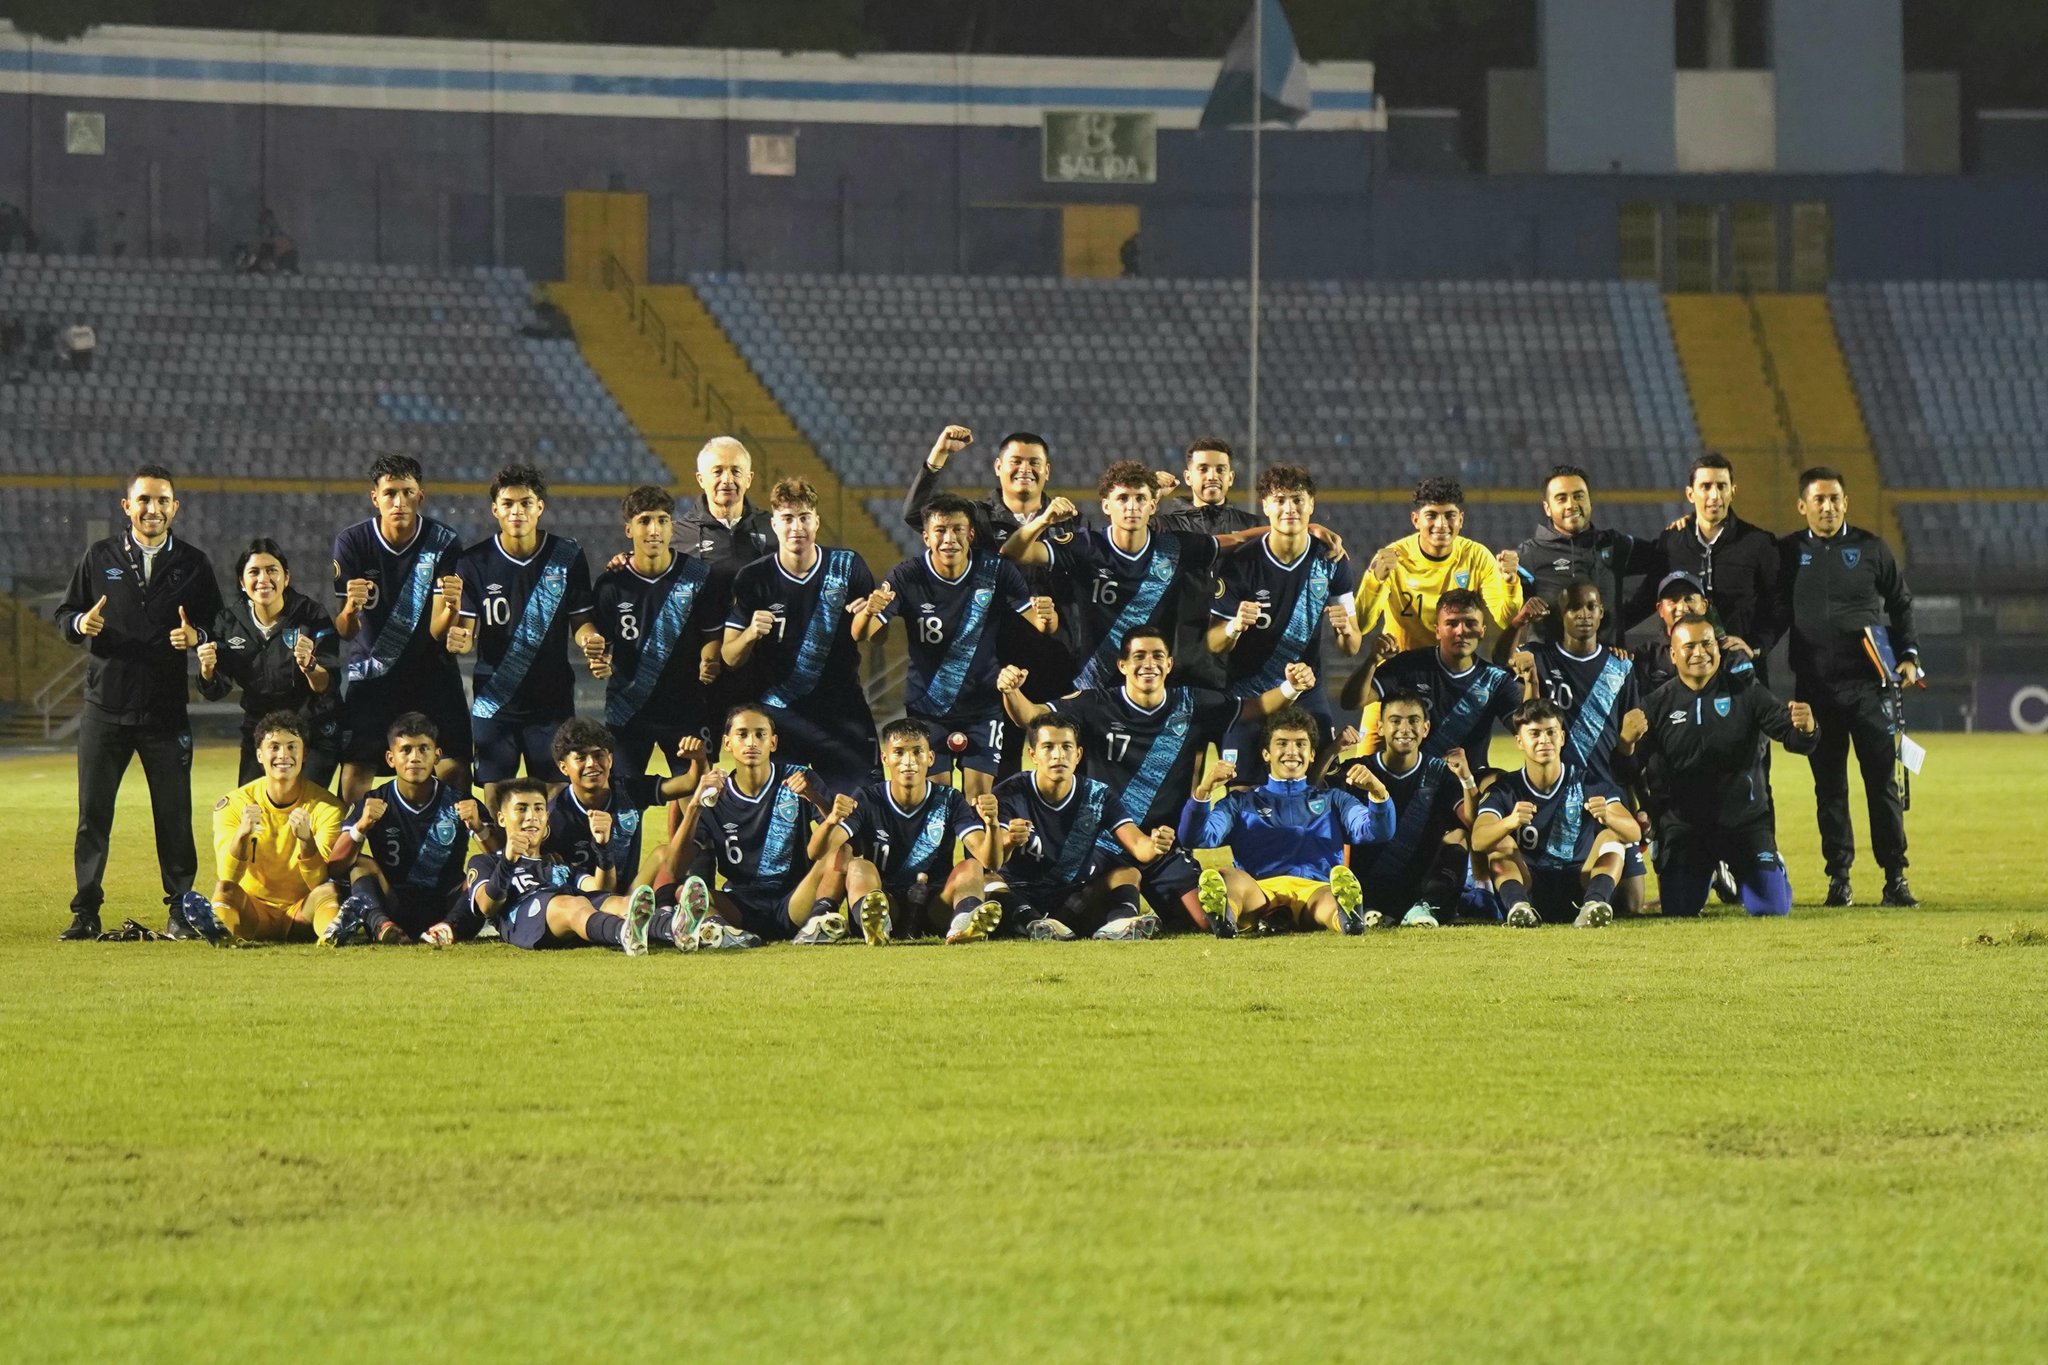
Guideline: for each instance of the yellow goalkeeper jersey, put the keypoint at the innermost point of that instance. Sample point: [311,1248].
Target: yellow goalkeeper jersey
[276,871]
[1408,598]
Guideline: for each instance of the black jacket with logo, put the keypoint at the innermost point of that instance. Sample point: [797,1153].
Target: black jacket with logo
[727,549]
[136,676]
[266,669]
[1551,559]
[1739,571]
[1829,589]
[1193,662]
[1702,760]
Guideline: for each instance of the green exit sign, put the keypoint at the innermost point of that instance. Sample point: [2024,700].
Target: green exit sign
[1089,148]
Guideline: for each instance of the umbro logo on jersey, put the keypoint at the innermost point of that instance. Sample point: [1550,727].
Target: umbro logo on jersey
[926,607]
[1677,717]
[237,642]
[494,589]
[113,573]
[1560,566]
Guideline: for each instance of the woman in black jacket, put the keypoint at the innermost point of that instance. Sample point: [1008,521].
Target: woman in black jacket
[279,647]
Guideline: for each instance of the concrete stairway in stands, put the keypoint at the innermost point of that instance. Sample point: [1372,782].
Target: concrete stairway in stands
[1737,401]
[1799,331]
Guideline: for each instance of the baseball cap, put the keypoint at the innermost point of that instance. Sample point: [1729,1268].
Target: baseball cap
[1679,583]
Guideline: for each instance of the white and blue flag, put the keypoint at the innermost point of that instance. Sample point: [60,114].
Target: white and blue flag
[1283,92]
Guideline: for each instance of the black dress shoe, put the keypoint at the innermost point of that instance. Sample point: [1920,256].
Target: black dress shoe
[85,925]
[1897,893]
[1839,892]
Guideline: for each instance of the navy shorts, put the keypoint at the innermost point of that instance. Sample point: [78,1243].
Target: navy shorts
[1067,904]
[1163,881]
[762,912]
[370,707]
[635,745]
[984,736]
[418,911]
[1555,892]
[525,923]
[500,744]
[841,753]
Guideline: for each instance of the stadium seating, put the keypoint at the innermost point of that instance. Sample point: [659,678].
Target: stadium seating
[1981,544]
[1371,384]
[304,376]
[1953,379]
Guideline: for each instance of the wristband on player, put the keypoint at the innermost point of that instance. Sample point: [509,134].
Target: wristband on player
[1233,629]
[1289,691]
[500,884]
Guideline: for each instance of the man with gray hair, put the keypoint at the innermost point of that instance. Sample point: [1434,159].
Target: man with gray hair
[720,526]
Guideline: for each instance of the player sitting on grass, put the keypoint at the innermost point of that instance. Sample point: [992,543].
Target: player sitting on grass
[271,840]
[900,835]
[1287,835]
[594,821]
[1552,834]
[1419,873]
[533,897]
[1052,870]
[757,823]
[405,846]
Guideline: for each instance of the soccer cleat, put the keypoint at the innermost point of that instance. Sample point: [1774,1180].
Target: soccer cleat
[1374,919]
[84,926]
[873,914]
[829,927]
[693,907]
[1725,889]
[176,928]
[970,926]
[351,917]
[1350,895]
[1130,928]
[1048,929]
[1215,900]
[1419,916]
[197,913]
[1523,916]
[1897,894]
[713,934]
[392,936]
[639,916]
[1594,915]
[1839,892]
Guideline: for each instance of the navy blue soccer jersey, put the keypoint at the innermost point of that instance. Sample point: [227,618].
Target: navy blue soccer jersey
[394,634]
[1291,598]
[1148,755]
[528,876]
[569,836]
[904,843]
[656,628]
[1114,593]
[953,628]
[1463,707]
[524,609]
[1062,850]
[1594,692]
[759,841]
[812,649]
[420,849]
[1561,836]
[1425,800]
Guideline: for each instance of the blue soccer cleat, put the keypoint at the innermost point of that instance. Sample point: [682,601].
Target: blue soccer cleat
[1419,916]
[197,912]
[349,920]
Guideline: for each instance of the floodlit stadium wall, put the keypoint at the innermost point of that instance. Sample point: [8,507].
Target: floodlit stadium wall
[458,153]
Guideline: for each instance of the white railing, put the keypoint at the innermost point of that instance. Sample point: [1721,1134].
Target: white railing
[54,695]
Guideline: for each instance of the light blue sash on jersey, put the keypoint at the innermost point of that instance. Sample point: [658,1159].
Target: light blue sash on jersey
[658,645]
[785,820]
[932,837]
[1301,628]
[1595,711]
[1392,864]
[531,631]
[442,836]
[1160,572]
[1077,850]
[1140,791]
[946,680]
[819,633]
[406,609]
[1561,848]
[1472,702]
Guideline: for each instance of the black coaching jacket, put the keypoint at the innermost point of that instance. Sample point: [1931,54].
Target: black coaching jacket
[1829,589]
[136,676]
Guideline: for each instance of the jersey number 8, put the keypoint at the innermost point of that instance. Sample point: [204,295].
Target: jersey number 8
[629,626]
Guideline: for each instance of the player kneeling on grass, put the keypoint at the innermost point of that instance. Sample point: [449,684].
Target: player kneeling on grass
[1554,838]
[1055,869]
[405,846]
[757,822]
[534,899]
[271,840]
[899,846]
[1287,835]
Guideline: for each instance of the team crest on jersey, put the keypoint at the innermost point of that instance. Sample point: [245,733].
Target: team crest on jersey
[1463,578]
[1805,560]
[337,567]
[1318,804]
[629,821]
[1851,557]
[984,596]
[1179,727]
[555,573]
[1720,706]
[558,875]
[443,831]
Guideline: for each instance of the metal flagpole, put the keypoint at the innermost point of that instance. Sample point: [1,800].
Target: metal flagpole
[1251,481]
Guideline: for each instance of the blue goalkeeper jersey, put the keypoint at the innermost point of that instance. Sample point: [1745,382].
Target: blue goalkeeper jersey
[1287,828]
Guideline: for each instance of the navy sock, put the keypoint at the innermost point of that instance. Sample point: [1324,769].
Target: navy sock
[1511,892]
[1601,888]
[824,905]
[1124,903]
[967,904]
[605,928]
[369,892]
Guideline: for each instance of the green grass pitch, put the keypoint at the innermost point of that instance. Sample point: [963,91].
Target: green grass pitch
[1824,1138]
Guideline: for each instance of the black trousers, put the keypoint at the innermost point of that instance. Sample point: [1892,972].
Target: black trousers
[1858,715]
[104,748]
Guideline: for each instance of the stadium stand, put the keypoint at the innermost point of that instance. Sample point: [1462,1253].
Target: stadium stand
[1983,544]
[1373,384]
[303,376]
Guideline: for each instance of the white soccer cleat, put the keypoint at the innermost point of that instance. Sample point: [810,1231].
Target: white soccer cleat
[1375,919]
[829,927]
[971,926]
[1130,929]
[1594,915]
[693,907]
[639,918]
[873,914]
[1522,915]
[713,934]
[1048,929]
[1419,916]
